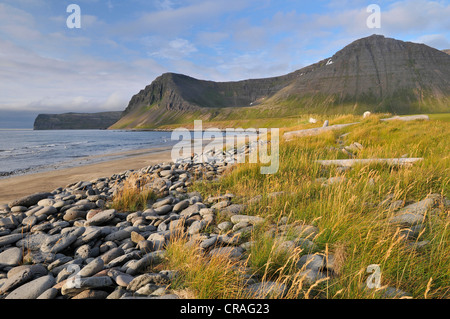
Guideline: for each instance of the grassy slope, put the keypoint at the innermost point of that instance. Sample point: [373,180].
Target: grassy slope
[351,223]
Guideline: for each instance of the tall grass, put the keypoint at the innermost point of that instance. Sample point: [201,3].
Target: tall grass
[352,223]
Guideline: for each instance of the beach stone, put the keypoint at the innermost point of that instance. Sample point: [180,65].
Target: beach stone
[196,227]
[74,215]
[180,206]
[163,210]
[17,279]
[18,209]
[8,223]
[233,209]
[144,279]
[147,260]
[311,261]
[32,289]
[85,251]
[91,294]
[112,254]
[32,241]
[228,252]
[59,242]
[268,289]
[123,280]
[30,200]
[222,204]
[90,234]
[101,218]
[136,237]
[407,219]
[192,210]
[254,220]
[50,293]
[225,226]
[74,285]
[92,268]
[46,202]
[310,276]
[47,211]
[29,221]
[11,257]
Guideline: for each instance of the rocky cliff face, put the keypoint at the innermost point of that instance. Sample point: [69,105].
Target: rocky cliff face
[373,73]
[76,121]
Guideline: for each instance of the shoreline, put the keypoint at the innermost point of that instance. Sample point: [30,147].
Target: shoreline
[17,186]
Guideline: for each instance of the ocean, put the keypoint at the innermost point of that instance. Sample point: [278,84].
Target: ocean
[28,151]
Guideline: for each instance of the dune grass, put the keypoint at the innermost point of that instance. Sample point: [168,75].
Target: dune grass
[352,223]
[350,215]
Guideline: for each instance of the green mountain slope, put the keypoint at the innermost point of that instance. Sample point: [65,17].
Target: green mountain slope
[375,74]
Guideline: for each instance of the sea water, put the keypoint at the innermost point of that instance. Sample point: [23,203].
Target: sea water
[29,151]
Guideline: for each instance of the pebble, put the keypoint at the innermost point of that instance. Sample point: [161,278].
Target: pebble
[115,253]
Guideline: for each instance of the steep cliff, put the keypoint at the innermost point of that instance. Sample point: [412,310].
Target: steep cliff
[76,121]
[373,73]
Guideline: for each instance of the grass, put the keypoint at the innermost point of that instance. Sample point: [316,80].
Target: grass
[352,224]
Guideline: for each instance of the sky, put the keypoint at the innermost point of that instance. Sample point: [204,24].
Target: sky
[122,46]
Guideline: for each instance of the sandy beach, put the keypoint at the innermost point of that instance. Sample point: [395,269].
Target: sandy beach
[18,186]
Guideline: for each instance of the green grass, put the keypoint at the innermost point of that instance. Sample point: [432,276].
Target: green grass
[348,215]
[352,224]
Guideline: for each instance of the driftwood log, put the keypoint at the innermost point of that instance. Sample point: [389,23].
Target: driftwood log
[388,161]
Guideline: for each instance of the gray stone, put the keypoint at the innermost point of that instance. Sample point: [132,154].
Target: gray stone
[311,261]
[32,241]
[268,289]
[233,209]
[91,233]
[311,276]
[163,210]
[59,242]
[74,215]
[254,220]
[50,293]
[32,289]
[227,252]
[47,211]
[147,260]
[91,294]
[8,223]
[112,254]
[11,257]
[30,200]
[196,227]
[17,279]
[192,210]
[101,218]
[225,226]
[144,279]
[92,268]
[75,285]
[119,235]
[407,219]
[180,206]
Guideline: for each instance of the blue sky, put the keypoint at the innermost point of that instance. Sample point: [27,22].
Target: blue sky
[122,46]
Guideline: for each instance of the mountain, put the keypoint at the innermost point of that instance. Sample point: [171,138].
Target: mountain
[76,121]
[374,74]
[446,51]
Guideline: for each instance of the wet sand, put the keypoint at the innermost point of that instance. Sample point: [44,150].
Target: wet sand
[15,187]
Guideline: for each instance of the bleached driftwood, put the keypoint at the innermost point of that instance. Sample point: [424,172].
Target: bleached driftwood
[408,118]
[388,161]
[316,130]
